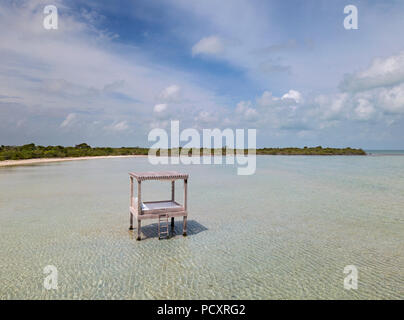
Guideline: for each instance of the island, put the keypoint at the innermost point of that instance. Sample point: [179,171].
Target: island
[32,151]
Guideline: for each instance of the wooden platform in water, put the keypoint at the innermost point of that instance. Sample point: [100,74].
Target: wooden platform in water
[157,209]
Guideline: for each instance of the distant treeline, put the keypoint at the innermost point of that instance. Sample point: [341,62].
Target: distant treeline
[32,151]
[312,151]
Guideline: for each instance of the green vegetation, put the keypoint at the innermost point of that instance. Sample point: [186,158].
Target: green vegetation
[32,151]
[311,151]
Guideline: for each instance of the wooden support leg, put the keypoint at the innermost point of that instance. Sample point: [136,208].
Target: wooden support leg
[131,203]
[139,230]
[131,221]
[172,222]
[184,227]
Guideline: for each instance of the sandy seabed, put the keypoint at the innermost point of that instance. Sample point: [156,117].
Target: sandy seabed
[6,163]
[286,232]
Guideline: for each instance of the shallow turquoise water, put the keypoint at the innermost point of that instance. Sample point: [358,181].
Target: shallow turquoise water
[286,232]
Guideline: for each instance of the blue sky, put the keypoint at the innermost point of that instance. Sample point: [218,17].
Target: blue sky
[114,70]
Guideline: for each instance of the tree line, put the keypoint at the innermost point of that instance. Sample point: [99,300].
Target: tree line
[32,151]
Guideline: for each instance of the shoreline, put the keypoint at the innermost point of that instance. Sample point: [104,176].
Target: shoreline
[8,163]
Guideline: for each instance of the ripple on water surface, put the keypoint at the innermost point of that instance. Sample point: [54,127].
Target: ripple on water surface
[286,232]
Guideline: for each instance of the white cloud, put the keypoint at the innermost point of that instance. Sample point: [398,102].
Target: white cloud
[376,91]
[271,112]
[75,70]
[382,72]
[212,45]
[267,99]
[171,94]
[381,67]
[392,99]
[158,108]
[242,106]
[294,95]
[206,118]
[364,110]
[251,114]
[330,107]
[118,126]
[245,109]
[71,117]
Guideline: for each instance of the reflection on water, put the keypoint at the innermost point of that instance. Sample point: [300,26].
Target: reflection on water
[286,232]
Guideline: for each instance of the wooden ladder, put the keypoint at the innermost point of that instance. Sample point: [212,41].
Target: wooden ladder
[163,229]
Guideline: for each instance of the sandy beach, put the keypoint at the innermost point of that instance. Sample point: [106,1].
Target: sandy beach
[7,163]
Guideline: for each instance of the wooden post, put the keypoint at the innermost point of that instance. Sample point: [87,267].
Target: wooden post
[131,221]
[172,199]
[131,204]
[131,191]
[184,227]
[139,229]
[185,194]
[139,198]
[139,209]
